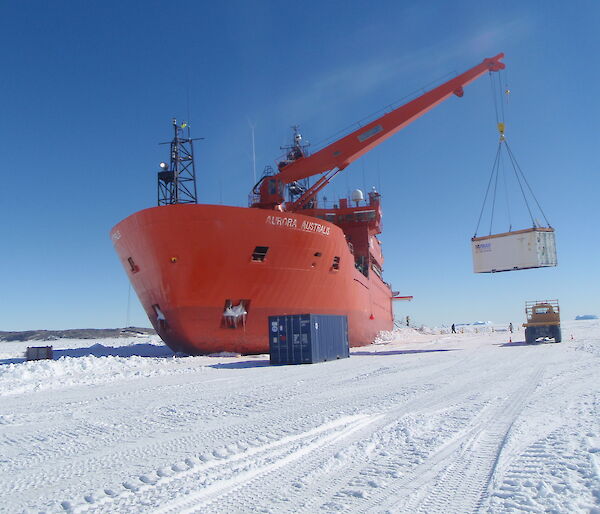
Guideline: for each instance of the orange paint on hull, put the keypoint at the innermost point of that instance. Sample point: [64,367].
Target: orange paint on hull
[186,261]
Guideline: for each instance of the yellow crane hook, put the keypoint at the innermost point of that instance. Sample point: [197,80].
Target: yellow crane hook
[501,130]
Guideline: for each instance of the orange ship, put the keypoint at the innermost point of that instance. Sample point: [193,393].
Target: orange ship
[209,276]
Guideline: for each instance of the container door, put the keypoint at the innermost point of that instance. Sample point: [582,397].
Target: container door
[546,249]
[303,343]
[275,342]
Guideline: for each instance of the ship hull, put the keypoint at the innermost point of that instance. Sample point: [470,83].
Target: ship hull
[188,263]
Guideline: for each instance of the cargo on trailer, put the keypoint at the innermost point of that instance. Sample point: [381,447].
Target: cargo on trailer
[307,338]
[520,249]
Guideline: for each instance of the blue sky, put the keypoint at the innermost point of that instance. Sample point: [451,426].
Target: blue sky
[88,90]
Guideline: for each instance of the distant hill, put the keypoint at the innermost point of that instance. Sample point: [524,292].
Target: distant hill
[75,333]
[586,316]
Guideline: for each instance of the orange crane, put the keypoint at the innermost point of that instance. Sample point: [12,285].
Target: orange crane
[269,192]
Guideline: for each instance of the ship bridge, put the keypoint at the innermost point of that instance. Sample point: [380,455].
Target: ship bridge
[360,225]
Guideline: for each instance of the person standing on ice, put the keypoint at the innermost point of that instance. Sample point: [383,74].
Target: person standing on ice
[510,328]
[453,329]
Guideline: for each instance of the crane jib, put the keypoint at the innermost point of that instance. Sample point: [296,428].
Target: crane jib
[340,153]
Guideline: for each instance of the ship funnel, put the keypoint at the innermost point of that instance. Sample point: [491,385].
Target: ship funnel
[357,196]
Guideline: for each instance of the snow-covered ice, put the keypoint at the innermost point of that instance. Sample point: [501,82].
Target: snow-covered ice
[419,421]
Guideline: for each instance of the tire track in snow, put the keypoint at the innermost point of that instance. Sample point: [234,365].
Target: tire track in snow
[80,466]
[462,485]
[564,391]
[558,472]
[556,455]
[85,437]
[201,484]
[295,489]
[356,470]
[76,440]
[76,469]
[368,395]
[364,479]
[75,461]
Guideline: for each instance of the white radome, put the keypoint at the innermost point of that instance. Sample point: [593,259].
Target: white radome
[357,196]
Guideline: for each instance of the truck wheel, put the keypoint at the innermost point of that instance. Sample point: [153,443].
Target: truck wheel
[529,335]
[557,334]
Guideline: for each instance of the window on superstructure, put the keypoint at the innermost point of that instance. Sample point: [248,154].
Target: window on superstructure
[378,271]
[259,253]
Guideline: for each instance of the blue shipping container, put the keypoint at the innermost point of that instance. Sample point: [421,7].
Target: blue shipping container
[308,338]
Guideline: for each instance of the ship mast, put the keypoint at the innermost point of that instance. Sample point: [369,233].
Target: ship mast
[177,180]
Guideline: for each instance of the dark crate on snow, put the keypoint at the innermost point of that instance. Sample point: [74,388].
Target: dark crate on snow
[38,353]
[308,338]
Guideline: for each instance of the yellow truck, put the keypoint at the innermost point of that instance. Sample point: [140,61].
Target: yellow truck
[543,321]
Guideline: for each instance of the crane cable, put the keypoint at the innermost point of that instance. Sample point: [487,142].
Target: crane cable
[500,117]
[500,123]
[487,191]
[503,139]
[516,166]
[495,97]
[505,180]
[495,187]
[496,165]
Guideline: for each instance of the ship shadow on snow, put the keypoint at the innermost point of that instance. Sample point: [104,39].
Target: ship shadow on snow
[265,362]
[241,365]
[12,360]
[99,350]
[156,351]
[404,352]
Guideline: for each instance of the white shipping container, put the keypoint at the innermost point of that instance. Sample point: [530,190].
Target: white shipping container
[521,249]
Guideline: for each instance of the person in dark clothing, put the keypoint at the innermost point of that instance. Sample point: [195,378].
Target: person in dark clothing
[510,327]
[453,329]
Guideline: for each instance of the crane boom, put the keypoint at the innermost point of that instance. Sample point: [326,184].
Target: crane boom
[339,154]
